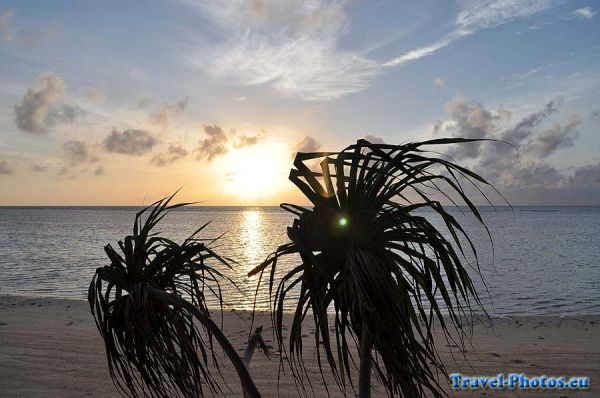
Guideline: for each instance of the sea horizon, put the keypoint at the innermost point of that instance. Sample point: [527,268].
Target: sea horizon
[259,206]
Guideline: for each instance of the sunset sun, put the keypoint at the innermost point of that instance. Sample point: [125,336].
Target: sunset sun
[257,171]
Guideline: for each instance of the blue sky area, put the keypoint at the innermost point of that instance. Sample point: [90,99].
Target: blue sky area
[116,102]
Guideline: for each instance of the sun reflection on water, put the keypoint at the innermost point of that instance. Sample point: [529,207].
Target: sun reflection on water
[252,236]
[252,240]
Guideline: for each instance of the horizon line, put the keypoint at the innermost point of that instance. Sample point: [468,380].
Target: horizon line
[279,205]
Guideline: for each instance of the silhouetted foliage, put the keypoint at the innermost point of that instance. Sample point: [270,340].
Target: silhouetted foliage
[140,304]
[368,254]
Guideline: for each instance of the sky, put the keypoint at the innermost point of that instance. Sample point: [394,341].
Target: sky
[119,103]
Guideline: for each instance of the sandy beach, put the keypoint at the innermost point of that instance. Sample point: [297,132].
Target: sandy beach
[50,348]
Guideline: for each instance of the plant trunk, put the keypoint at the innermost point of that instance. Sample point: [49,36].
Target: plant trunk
[254,341]
[364,377]
[248,385]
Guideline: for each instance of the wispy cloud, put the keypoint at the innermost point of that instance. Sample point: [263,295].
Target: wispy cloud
[429,49]
[28,38]
[478,14]
[6,19]
[293,45]
[473,16]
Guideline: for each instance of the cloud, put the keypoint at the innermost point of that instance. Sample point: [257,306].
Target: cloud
[430,49]
[528,73]
[165,114]
[373,139]
[439,82]
[584,13]
[532,178]
[214,145]
[293,45]
[307,144]
[556,137]
[6,19]
[29,38]
[65,172]
[530,174]
[35,37]
[129,142]
[174,153]
[38,168]
[504,115]
[6,168]
[249,140]
[587,175]
[144,102]
[473,16]
[99,171]
[469,120]
[77,152]
[218,142]
[290,45]
[43,107]
[95,95]
[478,14]
[524,128]
[540,183]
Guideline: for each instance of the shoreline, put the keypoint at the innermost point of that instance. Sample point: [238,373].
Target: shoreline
[493,317]
[50,347]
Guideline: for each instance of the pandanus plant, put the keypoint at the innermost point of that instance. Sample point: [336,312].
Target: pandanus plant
[371,260]
[150,308]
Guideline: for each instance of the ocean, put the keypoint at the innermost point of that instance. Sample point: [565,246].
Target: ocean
[544,260]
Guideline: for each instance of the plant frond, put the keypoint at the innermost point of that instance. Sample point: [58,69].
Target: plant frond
[368,254]
[153,345]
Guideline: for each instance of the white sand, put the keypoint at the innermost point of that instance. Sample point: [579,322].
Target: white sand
[51,348]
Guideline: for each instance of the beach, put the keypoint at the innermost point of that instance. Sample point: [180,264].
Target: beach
[50,348]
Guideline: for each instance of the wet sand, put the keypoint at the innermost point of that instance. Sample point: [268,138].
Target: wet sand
[50,348]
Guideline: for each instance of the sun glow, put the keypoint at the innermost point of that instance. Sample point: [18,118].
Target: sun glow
[259,171]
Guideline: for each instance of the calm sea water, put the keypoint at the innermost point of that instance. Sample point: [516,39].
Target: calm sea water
[546,259]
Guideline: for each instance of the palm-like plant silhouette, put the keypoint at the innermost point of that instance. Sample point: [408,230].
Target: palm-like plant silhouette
[157,342]
[386,271]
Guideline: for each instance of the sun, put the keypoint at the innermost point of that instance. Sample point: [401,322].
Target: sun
[258,171]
